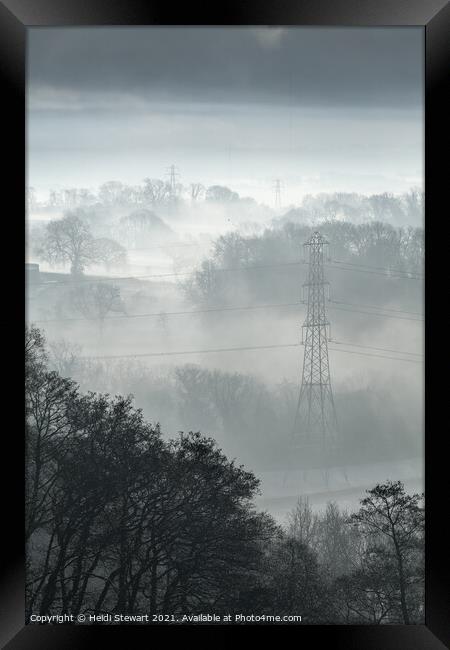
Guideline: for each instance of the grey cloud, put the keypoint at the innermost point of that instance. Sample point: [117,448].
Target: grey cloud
[310,66]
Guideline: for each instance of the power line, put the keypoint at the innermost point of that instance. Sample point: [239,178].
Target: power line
[379,314]
[387,269]
[388,274]
[378,356]
[371,347]
[177,313]
[255,267]
[182,352]
[396,311]
[222,309]
[379,268]
[238,349]
[163,275]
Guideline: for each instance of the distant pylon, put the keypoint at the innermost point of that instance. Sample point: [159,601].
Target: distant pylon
[172,173]
[315,421]
[277,188]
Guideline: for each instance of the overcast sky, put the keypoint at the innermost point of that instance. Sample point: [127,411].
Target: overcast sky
[323,109]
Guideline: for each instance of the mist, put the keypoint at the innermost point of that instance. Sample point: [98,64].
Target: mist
[224,344]
[190,296]
[205,343]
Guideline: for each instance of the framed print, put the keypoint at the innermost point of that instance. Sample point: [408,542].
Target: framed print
[232,238]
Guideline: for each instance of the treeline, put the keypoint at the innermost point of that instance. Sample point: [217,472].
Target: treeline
[152,192]
[406,208]
[251,419]
[400,209]
[366,259]
[119,520]
[372,561]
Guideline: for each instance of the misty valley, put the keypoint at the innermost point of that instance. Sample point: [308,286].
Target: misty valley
[165,347]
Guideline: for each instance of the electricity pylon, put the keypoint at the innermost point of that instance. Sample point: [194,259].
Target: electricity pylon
[277,188]
[315,421]
[172,174]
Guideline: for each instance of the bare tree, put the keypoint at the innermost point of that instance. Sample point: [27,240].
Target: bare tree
[294,580]
[70,240]
[303,524]
[109,252]
[156,191]
[368,594]
[221,194]
[48,400]
[96,299]
[63,356]
[196,191]
[337,542]
[141,227]
[395,519]
[111,193]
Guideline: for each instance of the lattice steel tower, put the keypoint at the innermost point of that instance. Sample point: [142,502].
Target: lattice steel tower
[172,173]
[277,188]
[315,421]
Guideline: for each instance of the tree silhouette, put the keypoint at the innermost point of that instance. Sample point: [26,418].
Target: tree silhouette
[393,522]
[122,520]
[69,240]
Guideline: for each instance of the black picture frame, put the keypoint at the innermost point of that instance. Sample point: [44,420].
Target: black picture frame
[16,16]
